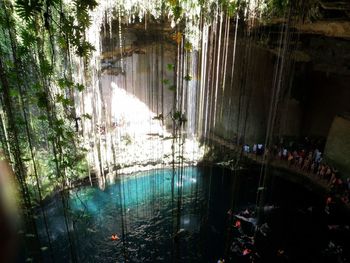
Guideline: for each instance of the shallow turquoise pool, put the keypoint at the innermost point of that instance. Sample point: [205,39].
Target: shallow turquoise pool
[155,221]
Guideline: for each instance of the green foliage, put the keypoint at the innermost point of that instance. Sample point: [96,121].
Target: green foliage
[275,8]
[188,77]
[85,4]
[46,67]
[36,39]
[170,67]
[179,117]
[188,46]
[64,101]
[167,81]
[84,49]
[172,88]
[42,100]
[14,93]
[87,116]
[279,5]
[177,11]
[28,9]
[28,38]
[64,83]
[79,87]
[232,8]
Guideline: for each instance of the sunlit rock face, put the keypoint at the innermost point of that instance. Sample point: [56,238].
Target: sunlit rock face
[133,90]
[138,63]
[234,83]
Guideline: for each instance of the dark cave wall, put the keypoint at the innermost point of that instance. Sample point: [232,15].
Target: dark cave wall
[290,118]
[322,84]
[313,92]
[243,106]
[327,96]
[337,149]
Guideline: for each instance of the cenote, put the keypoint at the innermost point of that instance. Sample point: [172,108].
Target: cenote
[189,222]
[238,110]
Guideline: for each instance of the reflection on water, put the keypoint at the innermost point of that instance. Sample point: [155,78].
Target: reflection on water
[154,221]
[187,222]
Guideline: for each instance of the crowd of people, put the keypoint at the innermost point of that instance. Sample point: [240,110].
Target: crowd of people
[306,156]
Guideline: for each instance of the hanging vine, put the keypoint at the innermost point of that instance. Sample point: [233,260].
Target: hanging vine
[37,101]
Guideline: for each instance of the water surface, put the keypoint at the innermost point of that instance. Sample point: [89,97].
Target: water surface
[155,222]
[186,220]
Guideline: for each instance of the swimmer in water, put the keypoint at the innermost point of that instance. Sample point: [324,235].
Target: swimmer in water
[114,237]
[238,224]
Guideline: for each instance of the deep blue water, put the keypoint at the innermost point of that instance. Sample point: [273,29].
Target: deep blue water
[189,222]
[147,216]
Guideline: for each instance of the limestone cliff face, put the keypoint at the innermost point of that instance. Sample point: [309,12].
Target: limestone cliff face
[338,144]
[243,105]
[241,86]
[314,87]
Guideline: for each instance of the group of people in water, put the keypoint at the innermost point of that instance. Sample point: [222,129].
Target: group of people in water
[243,234]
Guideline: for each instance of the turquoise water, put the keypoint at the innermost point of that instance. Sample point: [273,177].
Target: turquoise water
[155,221]
[187,220]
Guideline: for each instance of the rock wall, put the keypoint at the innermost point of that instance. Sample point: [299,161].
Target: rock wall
[314,91]
[328,95]
[321,84]
[243,105]
[236,106]
[141,75]
[337,148]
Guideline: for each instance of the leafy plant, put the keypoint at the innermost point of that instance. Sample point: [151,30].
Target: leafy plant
[28,9]
[179,117]
[188,77]
[170,67]
[172,88]
[188,46]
